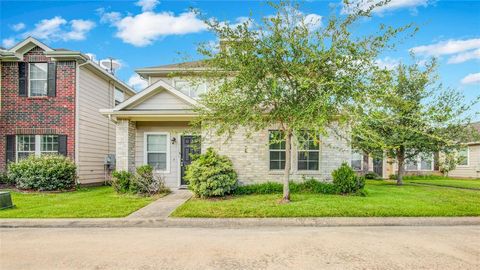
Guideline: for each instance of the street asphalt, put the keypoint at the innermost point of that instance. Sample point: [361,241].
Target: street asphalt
[376,247]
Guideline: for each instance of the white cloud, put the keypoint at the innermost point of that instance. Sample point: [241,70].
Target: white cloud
[109,17]
[137,82]
[92,56]
[387,63]
[58,28]
[147,5]
[472,78]
[448,47]
[313,21]
[8,42]
[17,27]
[143,29]
[79,28]
[392,5]
[463,57]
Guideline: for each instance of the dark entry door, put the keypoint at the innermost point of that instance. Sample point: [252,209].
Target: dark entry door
[190,144]
[378,166]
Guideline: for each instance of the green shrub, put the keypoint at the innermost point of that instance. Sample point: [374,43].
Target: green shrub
[211,174]
[372,176]
[346,181]
[392,177]
[146,182]
[121,181]
[263,188]
[307,186]
[5,180]
[44,173]
[425,177]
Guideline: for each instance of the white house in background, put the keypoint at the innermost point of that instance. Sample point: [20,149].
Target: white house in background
[153,128]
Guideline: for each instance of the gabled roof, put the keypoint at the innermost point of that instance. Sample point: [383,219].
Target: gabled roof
[178,67]
[16,54]
[139,97]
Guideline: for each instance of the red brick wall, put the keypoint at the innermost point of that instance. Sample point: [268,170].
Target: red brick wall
[37,115]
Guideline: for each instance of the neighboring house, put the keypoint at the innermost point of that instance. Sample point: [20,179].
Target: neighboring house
[423,164]
[469,165]
[49,102]
[153,128]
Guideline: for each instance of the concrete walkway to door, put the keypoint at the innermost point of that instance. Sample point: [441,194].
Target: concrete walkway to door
[162,207]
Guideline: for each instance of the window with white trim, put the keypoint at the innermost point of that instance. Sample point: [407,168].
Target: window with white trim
[356,161]
[37,79]
[463,156]
[25,146]
[36,145]
[119,96]
[276,150]
[308,153]
[157,151]
[421,162]
[192,89]
[49,144]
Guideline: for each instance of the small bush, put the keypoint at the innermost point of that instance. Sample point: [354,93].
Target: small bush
[307,186]
[5,180]
[392,177]
[44,173]
[121,181]
[346,181]
[424,177]
[263,188]
[146,182]
[372,176]
[211,174]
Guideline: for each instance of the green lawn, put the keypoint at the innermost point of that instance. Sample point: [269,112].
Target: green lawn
[384,199]
[92,202]
[475,184]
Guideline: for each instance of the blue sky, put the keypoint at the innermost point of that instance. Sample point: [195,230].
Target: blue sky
[149,32]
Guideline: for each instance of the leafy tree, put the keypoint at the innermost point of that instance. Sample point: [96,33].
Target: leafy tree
[410,114]
[288,72]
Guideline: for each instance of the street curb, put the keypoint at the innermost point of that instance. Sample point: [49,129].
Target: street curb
[238,222]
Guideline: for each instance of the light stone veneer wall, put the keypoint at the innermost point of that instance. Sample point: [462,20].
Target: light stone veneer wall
[125,145]
[250,156]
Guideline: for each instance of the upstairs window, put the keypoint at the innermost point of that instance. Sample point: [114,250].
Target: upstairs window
[192,89]
[37,79]
[119,96]
[308,153]
[276,150]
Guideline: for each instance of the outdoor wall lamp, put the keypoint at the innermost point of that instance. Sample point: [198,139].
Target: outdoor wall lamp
[173,140]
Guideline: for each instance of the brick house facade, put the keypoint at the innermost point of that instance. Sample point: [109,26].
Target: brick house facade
[46,115]
[41,110]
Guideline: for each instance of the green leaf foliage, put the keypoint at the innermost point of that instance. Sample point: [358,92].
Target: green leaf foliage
[346,180]
[211,175]
[121,181]
[44,173]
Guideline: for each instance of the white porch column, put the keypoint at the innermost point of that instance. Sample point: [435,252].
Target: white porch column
[125,145]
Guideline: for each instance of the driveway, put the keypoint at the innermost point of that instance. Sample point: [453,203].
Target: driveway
[290,248]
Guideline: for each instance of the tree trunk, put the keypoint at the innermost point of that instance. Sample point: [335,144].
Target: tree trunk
[401,165]
[286,175]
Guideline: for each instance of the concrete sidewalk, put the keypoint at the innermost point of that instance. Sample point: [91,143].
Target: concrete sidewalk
[130,222]
[163,207]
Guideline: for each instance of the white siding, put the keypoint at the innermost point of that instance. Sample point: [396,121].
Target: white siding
[162,100]
[473,168]
[153,80]
[173,129]
[96,134]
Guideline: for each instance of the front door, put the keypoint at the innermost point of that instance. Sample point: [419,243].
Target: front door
[378,166]
[190,144]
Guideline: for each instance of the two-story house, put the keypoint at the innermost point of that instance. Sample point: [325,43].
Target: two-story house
[153,127]
[49,103]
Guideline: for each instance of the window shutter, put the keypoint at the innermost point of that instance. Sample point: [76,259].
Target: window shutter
[10,148]
[22,79]
[62,145]
[51,82]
